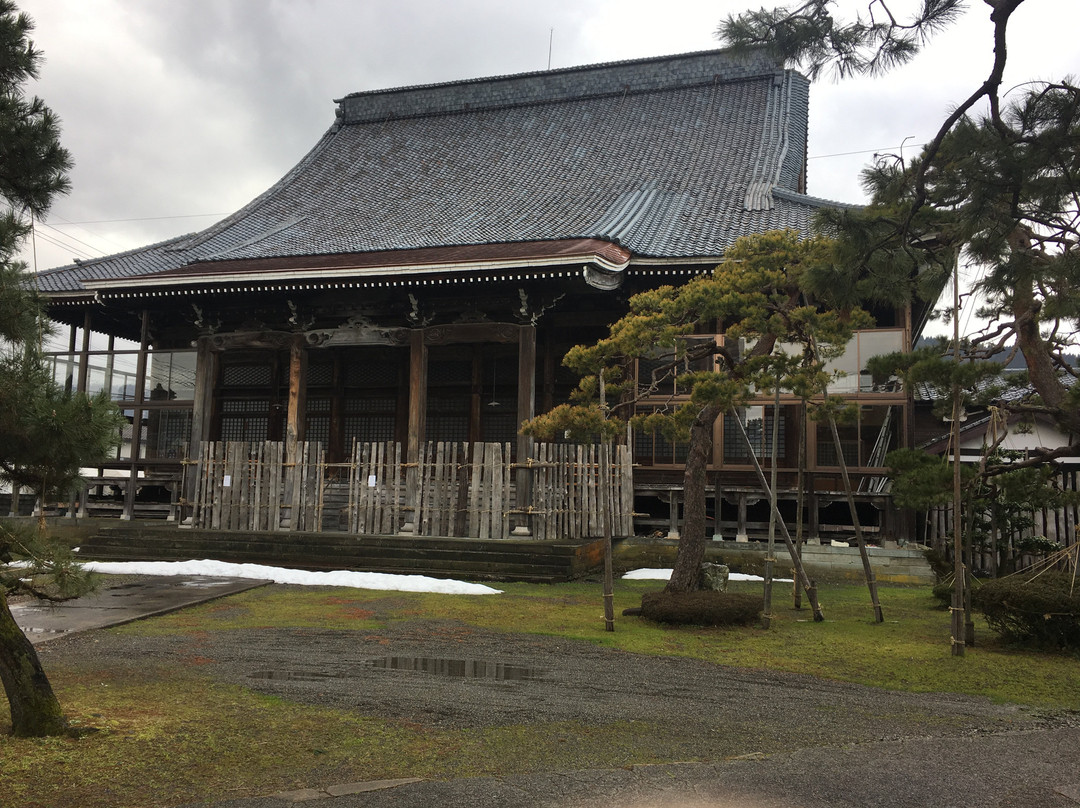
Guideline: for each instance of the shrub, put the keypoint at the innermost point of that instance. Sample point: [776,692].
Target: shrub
[939,564]
[702,608]
[1043,611]
[943,592]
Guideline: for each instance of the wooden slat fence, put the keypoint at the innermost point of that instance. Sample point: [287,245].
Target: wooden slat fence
[1061,525]
[244,485]
[461,490]
[567,488]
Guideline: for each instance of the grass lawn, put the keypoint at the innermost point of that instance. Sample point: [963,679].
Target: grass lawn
[165,735]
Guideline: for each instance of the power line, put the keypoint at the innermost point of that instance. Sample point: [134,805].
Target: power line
[63,246]
[145,218]
[882,150]
[69,236]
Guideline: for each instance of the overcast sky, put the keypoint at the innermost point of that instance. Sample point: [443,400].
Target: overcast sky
[177,113]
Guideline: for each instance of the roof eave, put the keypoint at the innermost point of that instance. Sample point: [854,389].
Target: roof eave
[316,273]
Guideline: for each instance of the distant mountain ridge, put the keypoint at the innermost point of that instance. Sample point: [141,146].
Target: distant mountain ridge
[1016,363]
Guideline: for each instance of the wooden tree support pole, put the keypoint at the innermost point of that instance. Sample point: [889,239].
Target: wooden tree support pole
[959,577]
[868,570]
[796,559]
[770,554]
[606,509]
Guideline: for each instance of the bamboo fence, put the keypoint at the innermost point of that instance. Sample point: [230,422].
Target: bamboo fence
[455,489]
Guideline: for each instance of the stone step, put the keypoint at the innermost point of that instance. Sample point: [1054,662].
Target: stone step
[365,560]
[485,559]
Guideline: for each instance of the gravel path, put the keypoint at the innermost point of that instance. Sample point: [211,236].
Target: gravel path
[445,674]
[771,740]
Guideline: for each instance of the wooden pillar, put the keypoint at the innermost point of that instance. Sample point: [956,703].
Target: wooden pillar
[718,499]
[673,514]
[295,419]
[740,530]
[110,363]
[77,500]
[526,409]
[84,355]
[137,415]
[815,518]
[69,376]
[202,414]
[417,424]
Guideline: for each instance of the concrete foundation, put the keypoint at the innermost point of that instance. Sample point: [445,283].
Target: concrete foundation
[822,562]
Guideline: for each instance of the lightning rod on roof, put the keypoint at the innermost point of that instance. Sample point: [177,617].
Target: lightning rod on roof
[551,38]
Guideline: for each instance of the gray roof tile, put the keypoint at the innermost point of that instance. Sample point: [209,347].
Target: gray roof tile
[671,157]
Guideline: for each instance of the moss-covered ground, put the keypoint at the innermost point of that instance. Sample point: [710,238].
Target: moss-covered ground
[165,735]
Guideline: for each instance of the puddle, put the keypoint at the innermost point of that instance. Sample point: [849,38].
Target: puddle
[296,676]
[205,584]
[459,668]
[436,666]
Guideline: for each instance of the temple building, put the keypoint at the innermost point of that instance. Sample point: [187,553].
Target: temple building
[415,280]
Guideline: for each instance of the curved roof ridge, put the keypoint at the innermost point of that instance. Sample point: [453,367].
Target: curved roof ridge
[562,84]
[814,201]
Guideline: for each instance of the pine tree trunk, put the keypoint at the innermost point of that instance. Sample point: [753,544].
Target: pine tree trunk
[1044,376]
[686,577]
[35,710]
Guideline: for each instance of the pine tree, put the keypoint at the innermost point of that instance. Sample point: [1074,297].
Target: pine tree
[46,432]
[758,293]
[996,189]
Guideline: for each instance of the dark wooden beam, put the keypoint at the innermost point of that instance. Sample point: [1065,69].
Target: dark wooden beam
[137,414]
[84,354]
[526,409]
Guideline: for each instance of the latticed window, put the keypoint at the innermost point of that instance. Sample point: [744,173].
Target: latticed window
[320,374]
[499,424]
[317,421]
[865,443]
[367,428]
[447,426]
[167,434]
[758,423]
[371,405]
[245,419]
[379,373]
[245,405]
[317,429]
[247,375]
[652,448]
[450,371]
[244,427]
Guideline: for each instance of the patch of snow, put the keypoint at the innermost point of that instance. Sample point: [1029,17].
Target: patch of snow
[280,575]
[664,575]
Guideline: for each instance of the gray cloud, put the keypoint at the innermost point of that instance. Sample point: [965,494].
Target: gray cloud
[177,109]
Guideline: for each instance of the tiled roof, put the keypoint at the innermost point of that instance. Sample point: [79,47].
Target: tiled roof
[670,157]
